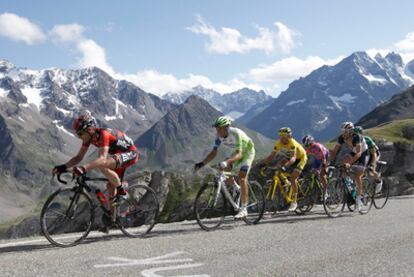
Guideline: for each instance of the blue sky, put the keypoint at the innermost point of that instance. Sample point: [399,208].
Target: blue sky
[174,45]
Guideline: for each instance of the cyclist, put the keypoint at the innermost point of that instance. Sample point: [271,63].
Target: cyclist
[116,153]
[318,157]
[241,158]
[350,149]
[374,156]
[295,159]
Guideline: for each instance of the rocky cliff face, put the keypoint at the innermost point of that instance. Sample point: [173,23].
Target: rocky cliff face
[399,172]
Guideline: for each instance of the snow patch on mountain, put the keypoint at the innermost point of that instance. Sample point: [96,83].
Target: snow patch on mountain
[344,99]
[296,102]
[235,115]
[33,96]
[322,121]
[3,93]
[372,78]
[65,112]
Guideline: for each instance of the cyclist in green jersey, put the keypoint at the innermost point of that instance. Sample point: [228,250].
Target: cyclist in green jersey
[374,156]
[242,156]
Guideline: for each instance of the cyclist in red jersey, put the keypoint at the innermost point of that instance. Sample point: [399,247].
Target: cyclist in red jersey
[116,153]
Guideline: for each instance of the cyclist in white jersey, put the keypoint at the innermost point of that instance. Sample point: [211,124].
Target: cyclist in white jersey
[241,158]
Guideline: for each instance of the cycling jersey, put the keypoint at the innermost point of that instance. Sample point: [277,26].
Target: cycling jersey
[121,147]
[116,140]
[291,149]
[371,145]
[238,140]
[317,153]
[347,149]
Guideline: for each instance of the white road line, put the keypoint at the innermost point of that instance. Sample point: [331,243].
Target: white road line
[91,235]
[148,261]
[164,259]
[152,272]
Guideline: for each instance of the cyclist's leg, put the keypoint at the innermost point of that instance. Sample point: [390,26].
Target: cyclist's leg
[243,167]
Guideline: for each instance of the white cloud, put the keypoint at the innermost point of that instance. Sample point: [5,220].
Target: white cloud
[407,44]
[92,54]
[19,28]
[68,33]
[159,83]
[228,40]
[288,69]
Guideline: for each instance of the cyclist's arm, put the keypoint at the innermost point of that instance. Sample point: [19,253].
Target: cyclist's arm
[374,156]
[237,156]
[358,153]
[102,161]
[79,157]
[335,151]
[210,156]
[291,160]
[269,158]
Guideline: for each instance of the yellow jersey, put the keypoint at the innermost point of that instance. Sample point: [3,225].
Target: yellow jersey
[290,149]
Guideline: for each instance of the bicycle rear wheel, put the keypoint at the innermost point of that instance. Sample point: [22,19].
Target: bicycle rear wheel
[380,199]
[210,207]
[138,213]
[67,217]
[256,206]
[334,198]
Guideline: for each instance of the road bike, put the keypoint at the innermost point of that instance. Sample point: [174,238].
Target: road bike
[211,205]
[68,214]
[338,193]
[280,192]
[312,190]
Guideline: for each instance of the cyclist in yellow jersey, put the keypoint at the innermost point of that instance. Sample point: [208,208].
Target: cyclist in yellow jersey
[294,157]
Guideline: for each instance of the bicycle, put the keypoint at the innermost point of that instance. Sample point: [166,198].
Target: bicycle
[381,198]
[312,189]
[280,185]
[211,203]
[337,193]
[68,214]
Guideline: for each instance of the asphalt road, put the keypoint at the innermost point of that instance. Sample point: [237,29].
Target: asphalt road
[378,244]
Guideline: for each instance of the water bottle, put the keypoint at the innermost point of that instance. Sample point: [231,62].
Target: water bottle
[101,196]
[349,185]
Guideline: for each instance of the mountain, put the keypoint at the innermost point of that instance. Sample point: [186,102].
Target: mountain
[319,102]
[235,104]
[400,106]
[36,111]
[185,136]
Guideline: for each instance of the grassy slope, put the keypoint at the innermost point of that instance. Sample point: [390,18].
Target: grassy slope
[391,131]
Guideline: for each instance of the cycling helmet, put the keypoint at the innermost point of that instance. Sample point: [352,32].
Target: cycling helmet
[358,130]
[83,122]
[308,140]
[222,121]
[285,131]
[347,127]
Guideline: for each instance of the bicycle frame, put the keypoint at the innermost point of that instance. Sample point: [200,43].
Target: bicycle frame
[220,180]
[221,185]
[277,182]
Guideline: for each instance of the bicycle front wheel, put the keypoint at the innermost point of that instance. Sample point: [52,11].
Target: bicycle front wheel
[334,198]
[305,196]
[67,217]
[210,207]
[381,198]
[368,191]
[138,213]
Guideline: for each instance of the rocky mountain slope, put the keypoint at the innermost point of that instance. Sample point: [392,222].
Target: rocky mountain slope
[184,136]
[236,104]
[319,102]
